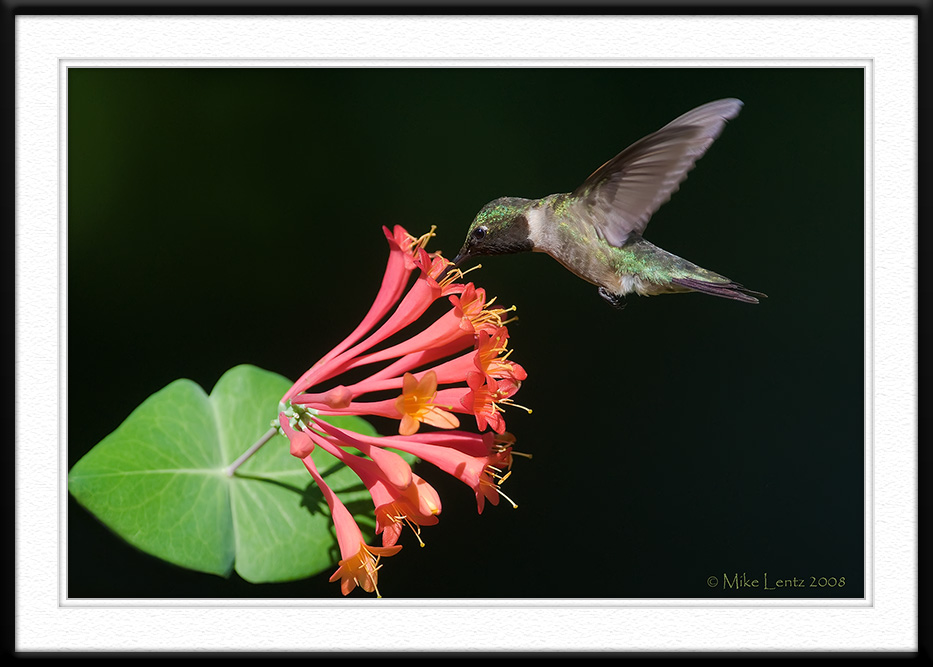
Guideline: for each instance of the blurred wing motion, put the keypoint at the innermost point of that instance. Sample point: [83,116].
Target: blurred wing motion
[621,196]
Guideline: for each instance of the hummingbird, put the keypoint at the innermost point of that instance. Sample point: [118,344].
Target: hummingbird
[596,230]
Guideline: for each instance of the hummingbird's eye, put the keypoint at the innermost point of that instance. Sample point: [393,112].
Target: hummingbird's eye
[479,233]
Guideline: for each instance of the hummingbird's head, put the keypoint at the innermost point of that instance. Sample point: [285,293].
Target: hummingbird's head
[501,227]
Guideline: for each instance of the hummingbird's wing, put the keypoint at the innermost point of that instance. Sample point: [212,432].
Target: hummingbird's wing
[621,196]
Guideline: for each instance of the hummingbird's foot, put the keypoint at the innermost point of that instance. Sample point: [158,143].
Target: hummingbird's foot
[615,300]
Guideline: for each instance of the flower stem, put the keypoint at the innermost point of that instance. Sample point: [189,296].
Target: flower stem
[252,450]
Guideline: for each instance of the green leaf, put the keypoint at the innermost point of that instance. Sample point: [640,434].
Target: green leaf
[159,482]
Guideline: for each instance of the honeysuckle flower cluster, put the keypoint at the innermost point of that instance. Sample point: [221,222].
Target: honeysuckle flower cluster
[456,367]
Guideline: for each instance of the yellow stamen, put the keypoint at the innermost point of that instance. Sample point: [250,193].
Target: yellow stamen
[415,528]
[371,567]
[486,482]
[508,401]
[422,240]
[513,503]
[450,278]
[494,315]
[527,456]
[496,473]
[452,275]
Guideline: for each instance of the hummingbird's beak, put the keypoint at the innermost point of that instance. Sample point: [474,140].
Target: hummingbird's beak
[456,262]
[461,257]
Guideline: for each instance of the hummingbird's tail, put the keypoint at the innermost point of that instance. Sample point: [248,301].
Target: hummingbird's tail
[727,290]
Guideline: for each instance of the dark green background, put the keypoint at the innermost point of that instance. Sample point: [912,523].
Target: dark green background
[227,216]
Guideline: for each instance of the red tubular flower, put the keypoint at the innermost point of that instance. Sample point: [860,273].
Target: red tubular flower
[491,359]
[416,405]
[301,443]
[358,561]
[457,363]
[478,460]
[414,502]
[395,509]
[399,267]
[483,400]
